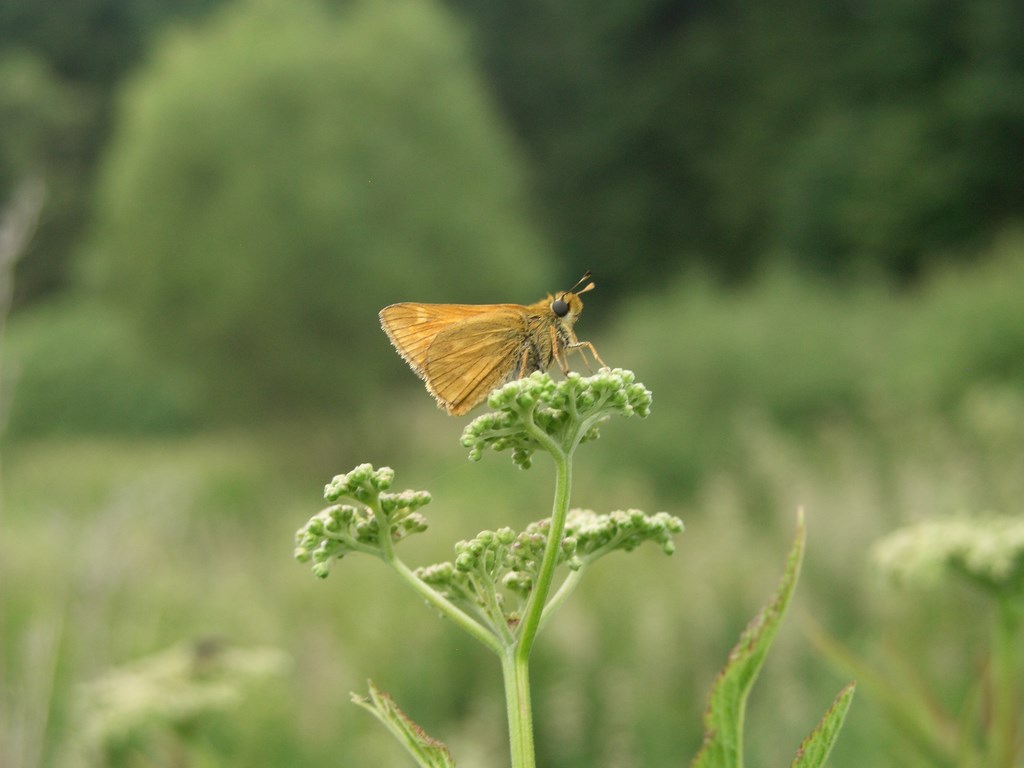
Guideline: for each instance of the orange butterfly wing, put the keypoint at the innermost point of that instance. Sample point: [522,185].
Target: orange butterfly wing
[461,351]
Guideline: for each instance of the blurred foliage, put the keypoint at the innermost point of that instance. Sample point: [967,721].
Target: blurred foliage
[42,125]
[60,65]
[800,354]
[35,110]
[854,404]
[92,42]
[282,173]
[875,138]
[154,710]
[79,368]
[159,540]
[871,137]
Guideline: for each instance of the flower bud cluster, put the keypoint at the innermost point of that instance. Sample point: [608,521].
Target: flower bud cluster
[482,565]
[143,701]
[568,411]
[986,550]
[512,560]
[593,535]
[362,483]
[355,527]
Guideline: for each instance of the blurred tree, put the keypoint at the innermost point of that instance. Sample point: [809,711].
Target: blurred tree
[911,159]
[594,94]
[281,173]
[61,63]
[90,42]
[668,131]
[43,120]
[875,135]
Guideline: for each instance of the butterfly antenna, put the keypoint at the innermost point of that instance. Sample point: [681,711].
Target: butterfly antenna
[590,286]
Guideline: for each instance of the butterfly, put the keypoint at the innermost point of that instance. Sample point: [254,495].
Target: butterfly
[463,351]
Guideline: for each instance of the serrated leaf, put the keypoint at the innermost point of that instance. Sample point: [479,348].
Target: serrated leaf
[426,751]
[723,718]
[816,747]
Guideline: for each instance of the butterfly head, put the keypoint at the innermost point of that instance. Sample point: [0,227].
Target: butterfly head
[567,305]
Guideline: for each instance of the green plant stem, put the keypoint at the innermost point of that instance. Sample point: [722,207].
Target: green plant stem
[515,659]
[446,607]
[431,595]
[539,594]
[566,588]
[1005,704]
[516,673]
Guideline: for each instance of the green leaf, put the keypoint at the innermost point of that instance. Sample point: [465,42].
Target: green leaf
[816,747]
[428,752]
[723,718]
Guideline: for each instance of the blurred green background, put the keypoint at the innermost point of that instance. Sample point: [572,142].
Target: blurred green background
[806,222]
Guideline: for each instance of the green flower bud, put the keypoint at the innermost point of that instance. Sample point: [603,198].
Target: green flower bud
[366,531]
[344,514]
[537,402]
[383,478]
[416,523]
[334,489]
[360,474]
[518,582]
[343,528]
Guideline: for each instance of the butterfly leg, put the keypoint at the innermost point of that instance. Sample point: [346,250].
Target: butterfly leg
[524,364]
[558,351]
[579,346]
[574,344]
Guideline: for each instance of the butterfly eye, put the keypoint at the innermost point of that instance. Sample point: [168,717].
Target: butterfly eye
[560,308]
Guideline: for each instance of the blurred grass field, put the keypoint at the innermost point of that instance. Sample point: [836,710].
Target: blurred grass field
[868,407]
